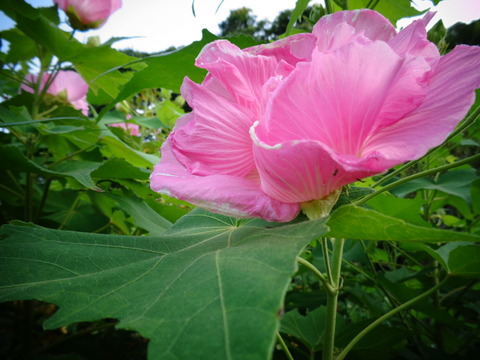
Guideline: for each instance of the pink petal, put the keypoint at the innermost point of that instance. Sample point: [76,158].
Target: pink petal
[335,99]
[291,49]
[70,81]
[89,11]
[132,129]
[407,92]
[242,74]
[304,170]
[81,105]
[413,40]
[30,79]
[364,22]
[228,195]
[450,95]
[215,138]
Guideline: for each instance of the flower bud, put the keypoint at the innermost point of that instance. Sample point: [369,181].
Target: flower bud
[88,14]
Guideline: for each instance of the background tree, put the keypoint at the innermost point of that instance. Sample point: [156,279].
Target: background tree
[242,21]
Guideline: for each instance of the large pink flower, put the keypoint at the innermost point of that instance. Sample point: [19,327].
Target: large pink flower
[278,125]
[66,83]
[88,14]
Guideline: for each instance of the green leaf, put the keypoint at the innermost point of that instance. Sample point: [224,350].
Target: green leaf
[462,259]
[308,329]
[437,33]
[354,222]
[79,170]
[393,10]
[21,47]
[455,182]
[115,168]
[168,70]
[405,209]
[168,112]
[144,216]
[117,148]
[14,160]
[297,13]
[378,344]
[209,288]
[169,208]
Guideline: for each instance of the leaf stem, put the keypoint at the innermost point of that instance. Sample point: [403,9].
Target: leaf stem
[416,176]
[284,346]
[317,272]
[332,300]
[384,317]
[44,198]
[69,156]
[326,259]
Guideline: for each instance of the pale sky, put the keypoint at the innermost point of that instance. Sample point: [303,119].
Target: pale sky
[159,24]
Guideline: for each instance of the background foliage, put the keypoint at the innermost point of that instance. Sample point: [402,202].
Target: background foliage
[87,235]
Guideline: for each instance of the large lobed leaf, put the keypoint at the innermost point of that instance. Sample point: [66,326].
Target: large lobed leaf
[210,287]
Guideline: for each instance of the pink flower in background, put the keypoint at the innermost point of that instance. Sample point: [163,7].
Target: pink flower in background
[68,84]
[88,14]
[279,125]
[132,129]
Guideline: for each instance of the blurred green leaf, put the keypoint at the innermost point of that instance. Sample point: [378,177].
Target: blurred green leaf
[354,222]
[79,170]
[297,13]
[168,112]
[405,209]
[462,259]
[143,215]
[393,10]
[378,344]
[114,147]
[308,328]
[115,168]
[454,182]
[21,47]
[437,33]
[209,287]
[171,209]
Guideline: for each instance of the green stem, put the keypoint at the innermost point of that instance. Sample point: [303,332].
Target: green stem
[384,317]
[416,176]
[326,259]
[317,272]
[44,198]
[70,212]
[69,156]
[284,346]
[11,191]
[29,197]
[332,300]
[372,4]
[474,116]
